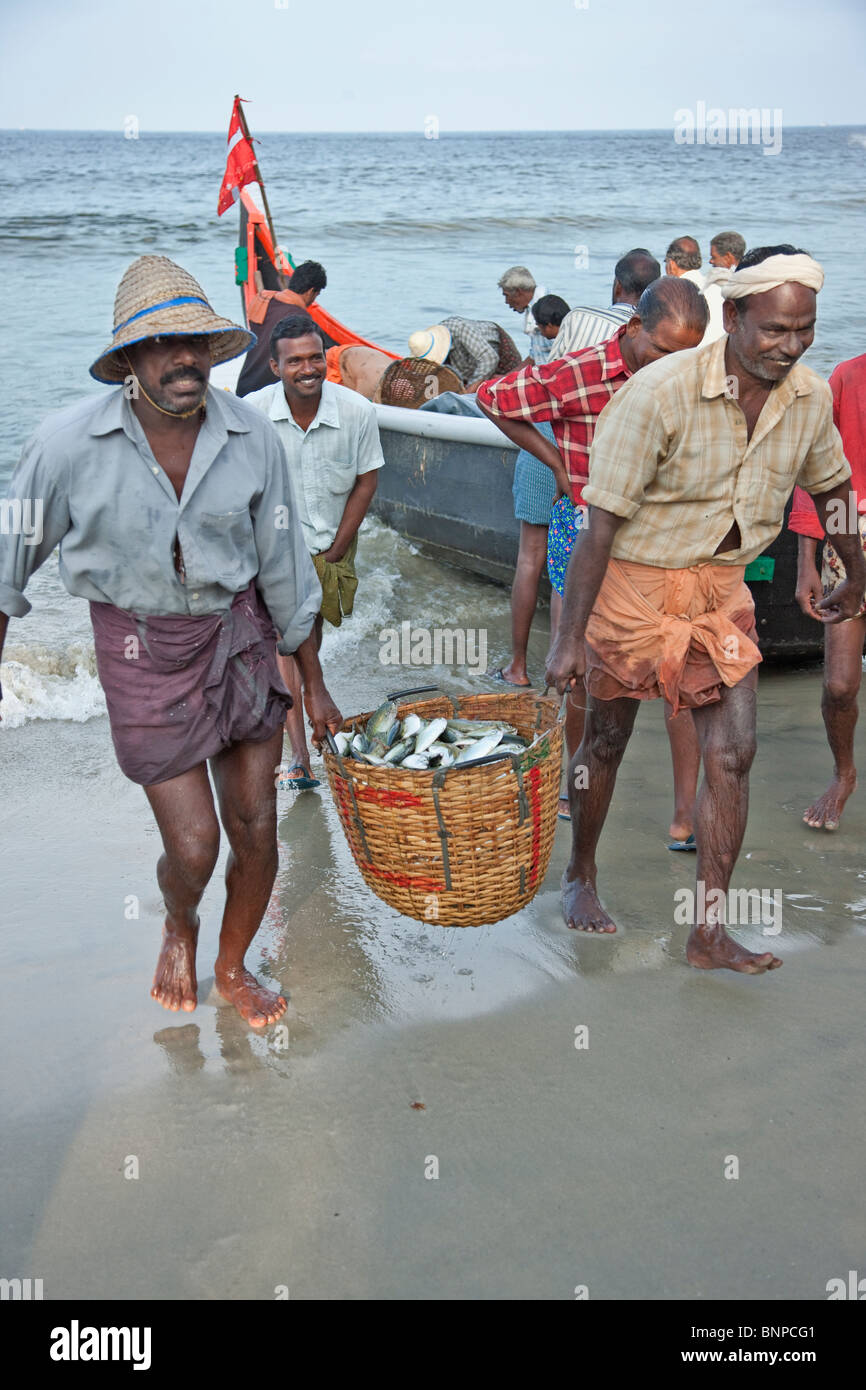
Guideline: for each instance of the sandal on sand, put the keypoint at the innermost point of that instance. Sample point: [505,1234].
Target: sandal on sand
[519,685]
[683,844]
[304,783]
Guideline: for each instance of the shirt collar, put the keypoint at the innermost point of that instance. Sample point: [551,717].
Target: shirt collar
[222,409]
[612,362]
[796,383]
[328,412]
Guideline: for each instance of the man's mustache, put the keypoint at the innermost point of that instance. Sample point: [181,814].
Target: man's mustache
[182,374]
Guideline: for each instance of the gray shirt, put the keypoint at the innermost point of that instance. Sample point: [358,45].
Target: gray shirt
[88,482]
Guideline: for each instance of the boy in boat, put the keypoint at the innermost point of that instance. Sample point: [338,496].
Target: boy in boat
[174,514]
[264,313]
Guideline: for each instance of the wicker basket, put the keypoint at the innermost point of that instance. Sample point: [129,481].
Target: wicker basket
[459,846]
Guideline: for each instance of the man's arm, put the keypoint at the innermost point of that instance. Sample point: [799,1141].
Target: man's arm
[321,710]
[845,601]
[566,661]
[357,504]
[527,437]
[808,590]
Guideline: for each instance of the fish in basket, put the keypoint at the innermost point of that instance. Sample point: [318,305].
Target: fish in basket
[449,805]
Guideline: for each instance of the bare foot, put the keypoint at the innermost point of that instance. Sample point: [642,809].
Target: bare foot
[512,674]
[827,810]
[581,908]
[710,948]
[256,1005]
[681,828]
[174,984]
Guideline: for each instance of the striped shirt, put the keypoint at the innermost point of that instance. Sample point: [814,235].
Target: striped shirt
[582,328]
[671,456]
[571,393]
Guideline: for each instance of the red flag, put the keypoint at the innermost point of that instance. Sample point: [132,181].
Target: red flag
[241,163]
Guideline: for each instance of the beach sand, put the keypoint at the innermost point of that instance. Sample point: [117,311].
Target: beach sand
[263,1167]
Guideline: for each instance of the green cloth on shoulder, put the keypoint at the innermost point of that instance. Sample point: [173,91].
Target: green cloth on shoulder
[339,584]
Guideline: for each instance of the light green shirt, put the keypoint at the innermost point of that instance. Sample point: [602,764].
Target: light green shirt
[326,460]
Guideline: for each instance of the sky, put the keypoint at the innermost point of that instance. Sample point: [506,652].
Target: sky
[389,65]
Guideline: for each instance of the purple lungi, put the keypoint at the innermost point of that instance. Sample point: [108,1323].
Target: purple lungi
[180,689]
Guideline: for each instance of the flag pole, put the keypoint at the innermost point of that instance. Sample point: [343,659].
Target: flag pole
[246,130]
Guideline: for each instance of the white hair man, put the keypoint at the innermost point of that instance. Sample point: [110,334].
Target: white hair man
[520,292]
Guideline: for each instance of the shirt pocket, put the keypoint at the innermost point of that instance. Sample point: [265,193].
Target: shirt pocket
[228,541]
[340,477]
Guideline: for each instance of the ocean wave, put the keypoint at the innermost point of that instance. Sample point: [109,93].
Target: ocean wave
[32,693]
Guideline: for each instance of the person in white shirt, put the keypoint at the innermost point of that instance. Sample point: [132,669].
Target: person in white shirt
[683,257]
[584,327]
[520,292]
[331,442]
[726,251]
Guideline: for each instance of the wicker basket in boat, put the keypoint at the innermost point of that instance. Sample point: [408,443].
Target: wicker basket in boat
[457,846]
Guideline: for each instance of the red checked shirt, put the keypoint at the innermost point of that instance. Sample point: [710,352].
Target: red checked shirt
[570,392]
[848,384]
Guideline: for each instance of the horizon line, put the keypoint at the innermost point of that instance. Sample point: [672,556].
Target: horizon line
[498,130]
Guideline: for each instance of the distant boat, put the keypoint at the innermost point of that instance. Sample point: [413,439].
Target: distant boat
[447,481]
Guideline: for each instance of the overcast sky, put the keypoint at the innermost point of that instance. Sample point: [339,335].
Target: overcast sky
[351,65]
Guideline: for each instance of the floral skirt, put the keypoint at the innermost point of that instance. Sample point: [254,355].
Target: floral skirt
[566,521]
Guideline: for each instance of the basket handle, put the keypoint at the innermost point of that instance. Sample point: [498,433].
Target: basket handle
[416,690]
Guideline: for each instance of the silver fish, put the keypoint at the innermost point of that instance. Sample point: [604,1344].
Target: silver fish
[342,740]
[360,744]
[374,759]
[477,727]
[378,747]
[480,748]
[380,723]
[429,734]
[400,750]
[394,734]
[416,761]
[411,725]
[445,755]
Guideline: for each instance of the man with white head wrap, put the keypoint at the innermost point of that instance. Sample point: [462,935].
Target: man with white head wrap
[691,466]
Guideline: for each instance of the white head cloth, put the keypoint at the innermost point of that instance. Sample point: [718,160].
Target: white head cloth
[773,272]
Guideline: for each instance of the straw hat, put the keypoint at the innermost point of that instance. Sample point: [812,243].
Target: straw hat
[433,343]
[158,298]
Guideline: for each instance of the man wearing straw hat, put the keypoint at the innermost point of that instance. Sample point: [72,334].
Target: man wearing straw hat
[175,518]
[690,469]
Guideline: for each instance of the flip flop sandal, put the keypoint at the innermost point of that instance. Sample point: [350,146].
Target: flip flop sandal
[684,844]
[518,685]
[304,783]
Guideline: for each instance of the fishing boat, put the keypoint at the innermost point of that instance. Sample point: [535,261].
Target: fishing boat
[447,481]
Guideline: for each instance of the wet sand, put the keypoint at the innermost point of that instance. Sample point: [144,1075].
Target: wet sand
[304,1166]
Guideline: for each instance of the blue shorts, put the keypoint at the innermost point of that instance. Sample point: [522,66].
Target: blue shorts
[534,484]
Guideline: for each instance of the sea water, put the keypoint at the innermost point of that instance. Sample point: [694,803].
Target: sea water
[410,230]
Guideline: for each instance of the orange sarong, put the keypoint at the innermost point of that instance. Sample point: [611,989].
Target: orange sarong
[677,633]
[332,358]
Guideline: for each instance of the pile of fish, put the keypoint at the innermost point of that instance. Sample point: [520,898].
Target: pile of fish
[419,743]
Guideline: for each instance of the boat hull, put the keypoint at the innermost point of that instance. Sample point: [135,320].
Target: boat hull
[452,497]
